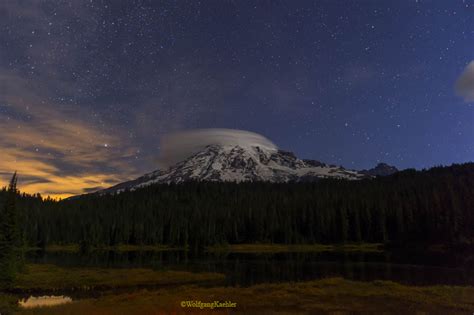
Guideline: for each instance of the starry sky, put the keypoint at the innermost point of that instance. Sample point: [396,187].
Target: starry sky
[88,87]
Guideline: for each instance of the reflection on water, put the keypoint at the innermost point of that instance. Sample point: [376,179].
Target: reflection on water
[40,301]
[248,269]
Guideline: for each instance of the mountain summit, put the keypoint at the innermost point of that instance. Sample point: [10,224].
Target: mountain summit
[228,155]
[239,163]
[382,169]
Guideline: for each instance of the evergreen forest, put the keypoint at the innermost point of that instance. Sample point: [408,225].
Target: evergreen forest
[429,206]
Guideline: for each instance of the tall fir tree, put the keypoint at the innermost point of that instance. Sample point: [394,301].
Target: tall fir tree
[10,241]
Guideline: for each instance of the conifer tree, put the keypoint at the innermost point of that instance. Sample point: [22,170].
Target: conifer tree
[10,242]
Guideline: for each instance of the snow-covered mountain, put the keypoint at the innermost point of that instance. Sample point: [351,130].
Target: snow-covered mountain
[240,163]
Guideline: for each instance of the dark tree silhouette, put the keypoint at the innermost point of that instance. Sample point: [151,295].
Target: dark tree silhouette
[427,206]
[10,240]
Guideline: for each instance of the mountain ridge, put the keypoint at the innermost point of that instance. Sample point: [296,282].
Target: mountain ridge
[236,163]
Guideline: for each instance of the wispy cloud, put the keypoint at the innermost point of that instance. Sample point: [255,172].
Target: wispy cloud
[464,86]
[56,152]
[56,146]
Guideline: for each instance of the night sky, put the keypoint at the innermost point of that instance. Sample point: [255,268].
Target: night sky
[88,87]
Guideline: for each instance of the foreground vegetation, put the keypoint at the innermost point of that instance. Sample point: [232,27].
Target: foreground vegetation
[326,295]
[146,291]
[51,279]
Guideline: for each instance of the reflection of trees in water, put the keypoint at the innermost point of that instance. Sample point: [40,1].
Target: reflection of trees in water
[248,268]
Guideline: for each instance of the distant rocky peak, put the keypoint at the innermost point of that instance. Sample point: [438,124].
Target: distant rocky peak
[382,169]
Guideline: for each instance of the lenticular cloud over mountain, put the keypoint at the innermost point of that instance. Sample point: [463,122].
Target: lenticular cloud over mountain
[178,146]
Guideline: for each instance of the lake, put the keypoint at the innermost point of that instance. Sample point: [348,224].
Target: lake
[245,269]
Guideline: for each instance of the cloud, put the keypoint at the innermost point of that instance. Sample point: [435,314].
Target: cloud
[179,145]
[48,133]
[59,126]
[54,148]
[64,94]
[464,86]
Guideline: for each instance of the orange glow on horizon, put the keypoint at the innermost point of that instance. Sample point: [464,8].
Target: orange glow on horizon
[56,153]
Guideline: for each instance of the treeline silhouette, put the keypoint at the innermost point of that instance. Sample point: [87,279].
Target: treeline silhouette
[11,243]
[428,206]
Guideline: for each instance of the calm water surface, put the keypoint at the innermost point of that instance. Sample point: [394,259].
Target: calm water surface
[248,269]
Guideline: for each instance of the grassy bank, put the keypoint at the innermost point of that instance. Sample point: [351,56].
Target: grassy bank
[326,295]
[281,248]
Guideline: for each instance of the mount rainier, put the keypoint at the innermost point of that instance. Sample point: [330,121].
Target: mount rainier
[241,163]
